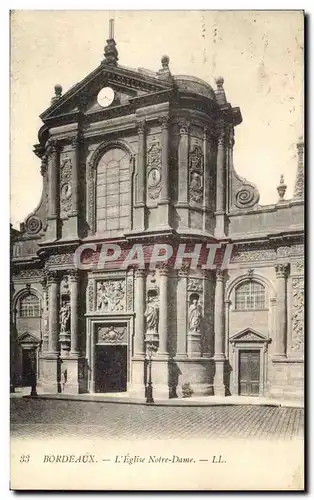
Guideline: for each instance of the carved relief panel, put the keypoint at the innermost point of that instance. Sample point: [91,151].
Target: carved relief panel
[112,334]
[297,317]
[111,295]
[65,185]
[154,170]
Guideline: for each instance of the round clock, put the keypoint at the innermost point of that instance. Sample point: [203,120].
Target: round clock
[105,97]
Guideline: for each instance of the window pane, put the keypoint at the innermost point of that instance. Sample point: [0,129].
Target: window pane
[250,296]
[29,306]
[113,190]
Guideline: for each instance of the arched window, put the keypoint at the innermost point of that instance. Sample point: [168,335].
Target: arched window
[113,191]
[250,296]
[29,306]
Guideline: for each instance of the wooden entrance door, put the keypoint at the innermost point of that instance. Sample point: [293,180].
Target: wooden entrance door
[249,373]
[29,366]
[111,368]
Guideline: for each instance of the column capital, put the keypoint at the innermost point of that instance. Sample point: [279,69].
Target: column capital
[76,140]
[163,269]
[164,121]
[282,270]
[73,274]
[53,146]
[221,138]
[140,273]
[209,132]
[184,126]
[141,126]
[220,275]
[183,272]
[53,276]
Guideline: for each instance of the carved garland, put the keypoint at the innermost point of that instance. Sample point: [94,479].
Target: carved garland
[154,170]
[297,344]
[196,173]
[65,185]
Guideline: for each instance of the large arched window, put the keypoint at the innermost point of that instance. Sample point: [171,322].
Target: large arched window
[113,191]
[250,296]
[29,306]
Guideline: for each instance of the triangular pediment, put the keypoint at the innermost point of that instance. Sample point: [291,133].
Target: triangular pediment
[128,85]
[249,335]
[28,338]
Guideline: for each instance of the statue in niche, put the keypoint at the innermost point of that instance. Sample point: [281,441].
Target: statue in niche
[152,314]
[195,314]
[64,317]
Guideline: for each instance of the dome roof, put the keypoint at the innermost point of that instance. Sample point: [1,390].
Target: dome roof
[193,84]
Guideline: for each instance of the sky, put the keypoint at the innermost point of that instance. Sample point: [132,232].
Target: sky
[259,54]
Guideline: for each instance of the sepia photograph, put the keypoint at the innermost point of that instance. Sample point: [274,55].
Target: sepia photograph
[157,250]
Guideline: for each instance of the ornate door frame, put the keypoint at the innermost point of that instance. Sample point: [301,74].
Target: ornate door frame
[94,322]
[248,340]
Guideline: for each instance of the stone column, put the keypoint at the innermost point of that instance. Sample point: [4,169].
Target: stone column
[281,333]
[220,186]
[183,163]
[164,159]
[163,204]
[53,339]
[219,326]
[139,335]
[75,173]
[141,188]
[182,298]
[163,311]
[53,167]
[53,172]
[74,292]
[140,193]
[45,325]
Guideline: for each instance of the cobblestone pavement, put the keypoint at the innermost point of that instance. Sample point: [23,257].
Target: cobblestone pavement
[51,418]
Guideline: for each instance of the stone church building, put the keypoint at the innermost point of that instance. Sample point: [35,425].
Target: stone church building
[136,157]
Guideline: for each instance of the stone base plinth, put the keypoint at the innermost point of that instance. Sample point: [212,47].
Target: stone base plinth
[49,381]
[219,379]
[194,344]
[71,374]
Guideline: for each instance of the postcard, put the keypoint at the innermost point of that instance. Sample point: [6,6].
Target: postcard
[157,250]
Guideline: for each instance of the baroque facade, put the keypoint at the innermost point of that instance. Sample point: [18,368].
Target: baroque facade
[134,157]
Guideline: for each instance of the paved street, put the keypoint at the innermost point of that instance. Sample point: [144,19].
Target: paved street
[52,418]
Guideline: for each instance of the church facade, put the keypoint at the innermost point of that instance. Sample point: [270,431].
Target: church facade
[134,158]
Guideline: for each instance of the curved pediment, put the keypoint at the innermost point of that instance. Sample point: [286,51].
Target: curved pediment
[249,335]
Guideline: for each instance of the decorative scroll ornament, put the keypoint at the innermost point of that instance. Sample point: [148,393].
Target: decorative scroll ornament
[112,334]
[154,170]
[65,185]
[111,295]
[196,171]
[33,224]
[297,344]
[246,197]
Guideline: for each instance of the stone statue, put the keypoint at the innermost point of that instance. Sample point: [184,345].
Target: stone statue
[195,316]
[152,314]
[64,317]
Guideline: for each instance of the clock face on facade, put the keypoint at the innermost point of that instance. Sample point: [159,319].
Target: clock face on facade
[105,97]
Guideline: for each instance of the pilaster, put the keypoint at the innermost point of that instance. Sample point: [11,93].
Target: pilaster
[219,326]
[282,271]
[139,296]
